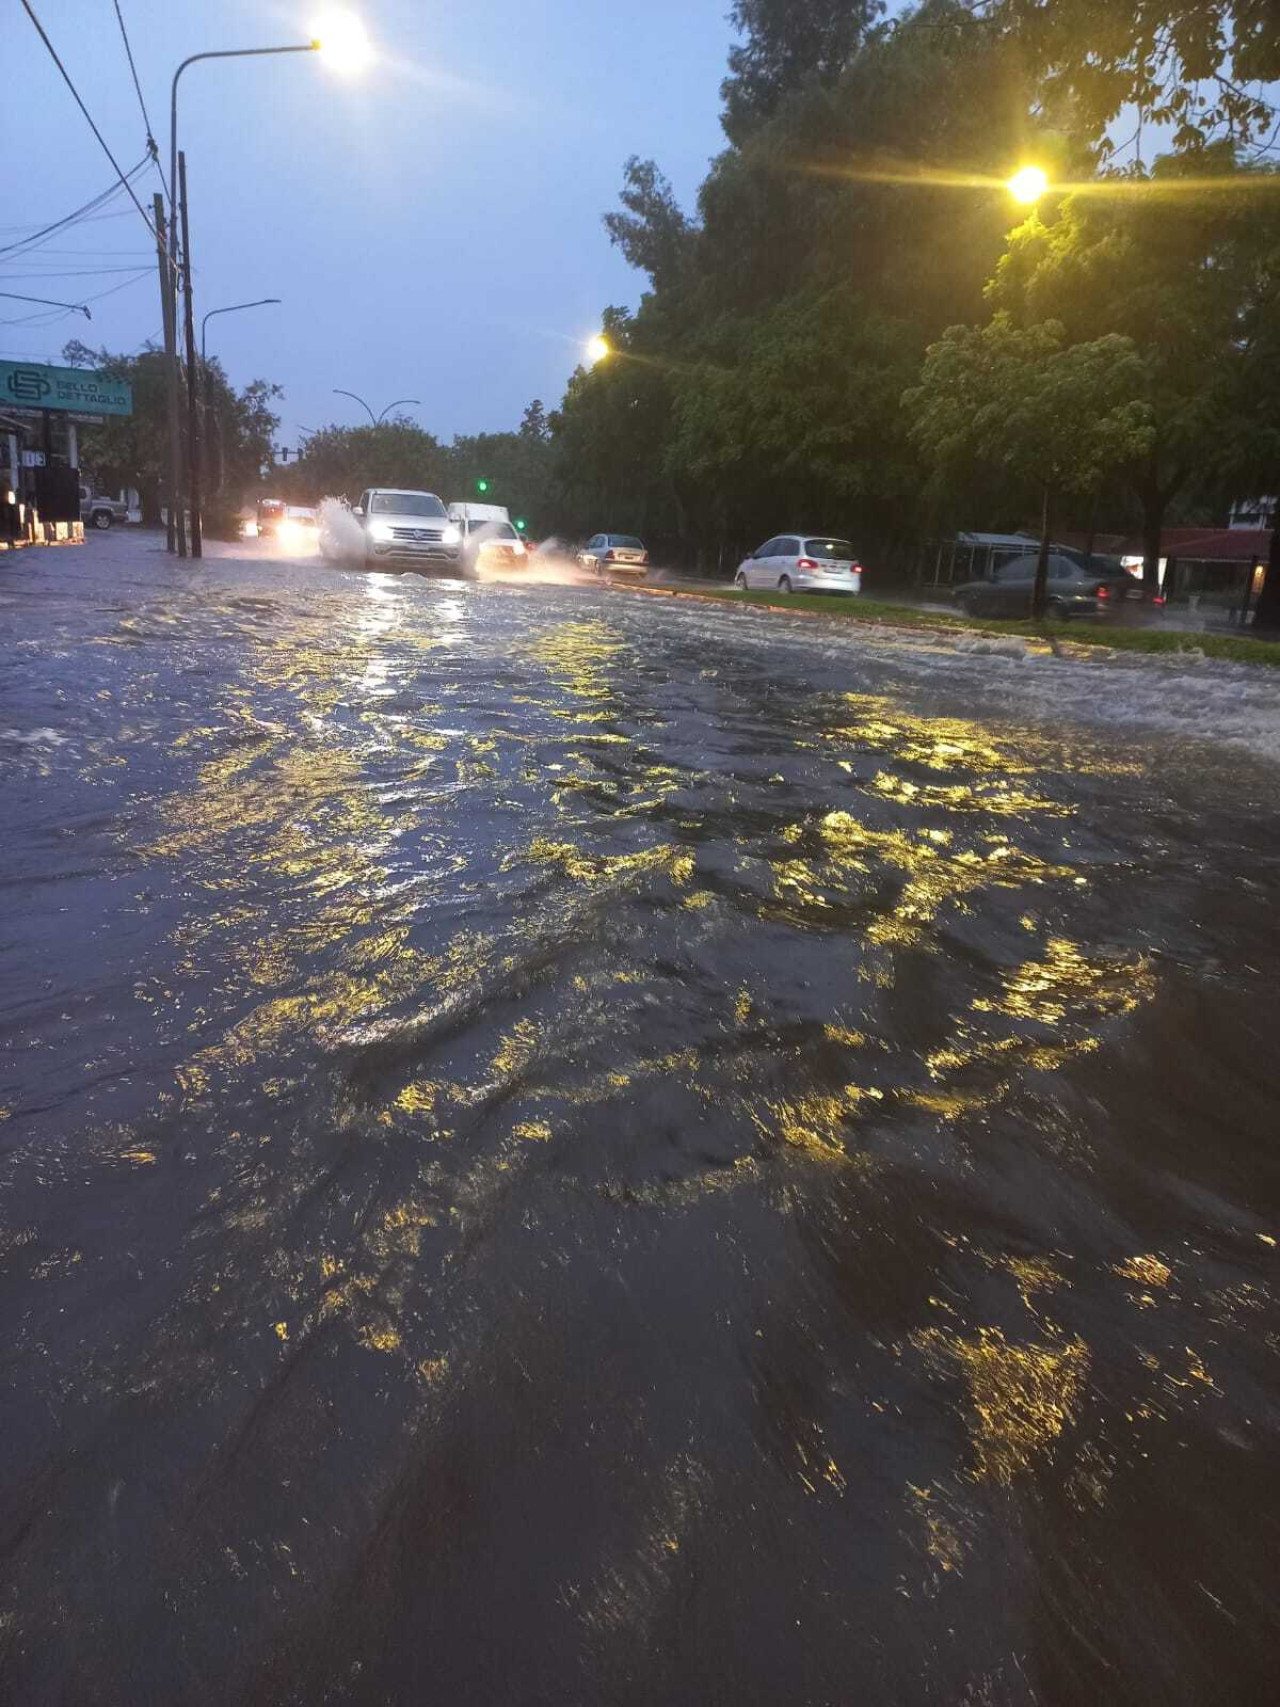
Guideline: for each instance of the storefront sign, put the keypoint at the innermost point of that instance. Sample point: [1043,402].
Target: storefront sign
[33,385]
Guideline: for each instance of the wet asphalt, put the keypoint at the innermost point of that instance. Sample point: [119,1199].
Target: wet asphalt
[561,1147]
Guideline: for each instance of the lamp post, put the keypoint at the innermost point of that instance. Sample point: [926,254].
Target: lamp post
[376,420]
[235,308]
[345,43]
[209,415]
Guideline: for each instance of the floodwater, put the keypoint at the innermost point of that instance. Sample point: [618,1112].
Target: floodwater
[563,1147]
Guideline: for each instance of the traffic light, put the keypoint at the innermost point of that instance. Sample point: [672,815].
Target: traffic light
[521,524]
[284,454]
[482,486]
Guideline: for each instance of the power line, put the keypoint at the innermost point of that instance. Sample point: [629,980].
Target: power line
[45,318]
[152,150]
[29,10]
[83,214]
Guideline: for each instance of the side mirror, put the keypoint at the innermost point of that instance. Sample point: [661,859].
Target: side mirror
[356,510]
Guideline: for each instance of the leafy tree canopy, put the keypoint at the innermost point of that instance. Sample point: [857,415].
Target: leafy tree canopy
[1195,65]
[788,45]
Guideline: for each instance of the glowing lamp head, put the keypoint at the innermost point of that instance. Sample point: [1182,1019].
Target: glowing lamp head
[598,349]
[342,43]
[1028,185]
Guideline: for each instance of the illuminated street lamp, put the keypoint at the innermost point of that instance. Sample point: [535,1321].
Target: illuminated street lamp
[341,42]
[1028,185]
[598,349]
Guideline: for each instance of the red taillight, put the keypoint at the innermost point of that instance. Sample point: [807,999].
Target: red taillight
[805,563]
[1104,592]
[855,569]
[608,556]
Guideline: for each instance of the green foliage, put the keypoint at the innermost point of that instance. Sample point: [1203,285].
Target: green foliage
[343,461]
[652,233]
[787,44]
[1026,401]
[761,379]
[134,450]
[1186,64]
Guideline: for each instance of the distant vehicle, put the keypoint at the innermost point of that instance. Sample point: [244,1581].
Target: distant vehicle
[1109,571]
[403,527]
[488,536]
[99,512]
[801,563]
[614,554]
[268,514]
[496,545]
[299,529]
[1071,590]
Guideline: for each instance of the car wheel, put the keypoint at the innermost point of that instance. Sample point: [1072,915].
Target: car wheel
[740,581]
[965,603]
[1055,608]
[102,518]
[784,585]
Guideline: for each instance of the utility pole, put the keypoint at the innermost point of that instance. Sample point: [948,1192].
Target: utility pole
[193,404]
[166,305]
[177,503]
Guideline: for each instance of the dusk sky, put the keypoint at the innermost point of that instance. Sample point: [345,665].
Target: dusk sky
[433,226]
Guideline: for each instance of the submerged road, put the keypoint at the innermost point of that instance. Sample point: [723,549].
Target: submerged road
[565,1148]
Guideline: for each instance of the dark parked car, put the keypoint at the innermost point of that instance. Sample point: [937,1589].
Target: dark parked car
[1072,590]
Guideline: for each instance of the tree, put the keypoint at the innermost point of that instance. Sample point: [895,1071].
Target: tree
[1028,402]
[1184,64]
[342,461]
[534,424]
[134,450]
[790,44]
[653,233]
[1182,261]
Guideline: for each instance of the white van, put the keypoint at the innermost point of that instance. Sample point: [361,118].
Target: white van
[488,534]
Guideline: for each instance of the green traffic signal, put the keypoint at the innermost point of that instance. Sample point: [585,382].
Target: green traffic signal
[521,524]
[482,485]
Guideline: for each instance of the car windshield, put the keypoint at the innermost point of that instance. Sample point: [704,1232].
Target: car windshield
[834,550]
[624,542]
[406,504]
[497,530]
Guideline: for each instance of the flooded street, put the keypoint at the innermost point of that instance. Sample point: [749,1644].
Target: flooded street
[560,1147]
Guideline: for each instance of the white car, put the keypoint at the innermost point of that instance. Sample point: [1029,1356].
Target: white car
[407,528]
[801,563]
[614,553]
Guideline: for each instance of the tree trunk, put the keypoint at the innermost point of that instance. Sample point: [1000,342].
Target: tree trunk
[1040,593]
[1267,613]
[1154,502]
[1093,532]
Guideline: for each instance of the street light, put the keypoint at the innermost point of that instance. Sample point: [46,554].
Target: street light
[209,414]
[235,308]
[343,44]
[340,42]
[377,420]
[598,349]
[1028,185]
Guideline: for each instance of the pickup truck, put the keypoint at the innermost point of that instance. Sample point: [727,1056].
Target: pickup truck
[99,512]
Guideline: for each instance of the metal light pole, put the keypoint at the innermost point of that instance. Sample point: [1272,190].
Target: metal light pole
[235,308]
[376,420]
[170,337]
[212,420]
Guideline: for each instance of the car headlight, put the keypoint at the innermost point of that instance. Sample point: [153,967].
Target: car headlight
[452,535]
[381,531]
[519,549]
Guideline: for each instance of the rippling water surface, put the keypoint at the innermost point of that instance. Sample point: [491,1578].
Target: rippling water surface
[563,1147]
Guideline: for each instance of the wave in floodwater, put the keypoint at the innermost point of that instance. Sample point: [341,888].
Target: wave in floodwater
[708,1137]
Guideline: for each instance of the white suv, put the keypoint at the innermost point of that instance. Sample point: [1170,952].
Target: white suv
[408,527]
[801,563]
